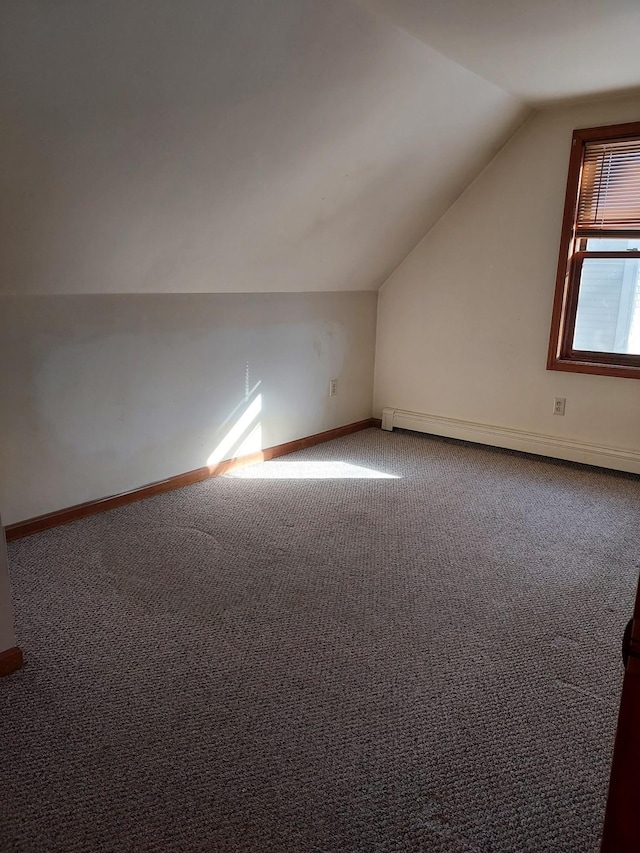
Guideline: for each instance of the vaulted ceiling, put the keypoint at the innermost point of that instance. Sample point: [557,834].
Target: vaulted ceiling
[237,145]
[540,52]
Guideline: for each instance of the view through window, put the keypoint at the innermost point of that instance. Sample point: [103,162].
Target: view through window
[596,319]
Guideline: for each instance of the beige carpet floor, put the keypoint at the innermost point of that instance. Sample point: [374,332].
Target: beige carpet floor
[389,642]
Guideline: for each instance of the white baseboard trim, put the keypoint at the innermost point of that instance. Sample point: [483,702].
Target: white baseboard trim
[515,439]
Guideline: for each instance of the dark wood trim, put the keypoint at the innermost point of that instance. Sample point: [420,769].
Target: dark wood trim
[621,829]
[609,358]
[560,355]
[558,317]
[610,131]
[571,306]
[576,365]
[11,660]
[623,256]
[610,233]
[73,513]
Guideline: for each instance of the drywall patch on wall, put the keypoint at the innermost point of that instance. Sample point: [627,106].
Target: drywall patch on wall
[102,394]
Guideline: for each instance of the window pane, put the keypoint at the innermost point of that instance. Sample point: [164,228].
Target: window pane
[604,244]
[608,317]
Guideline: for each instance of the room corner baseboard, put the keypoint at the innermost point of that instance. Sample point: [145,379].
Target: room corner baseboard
[73,513]
[618,459]
[11,660]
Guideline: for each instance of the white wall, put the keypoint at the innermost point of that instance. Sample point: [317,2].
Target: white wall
[7,636]
[463,324]
[102,394]
[226,145]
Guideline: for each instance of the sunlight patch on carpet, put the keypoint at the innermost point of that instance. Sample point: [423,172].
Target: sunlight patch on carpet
[305,469]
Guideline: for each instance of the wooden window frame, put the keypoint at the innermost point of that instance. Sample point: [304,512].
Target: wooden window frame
[561,354]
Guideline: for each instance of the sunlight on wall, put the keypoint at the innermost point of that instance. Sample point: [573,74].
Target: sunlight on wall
[252,443]
[244,439]
[280,469]
[248,395]
[233,444]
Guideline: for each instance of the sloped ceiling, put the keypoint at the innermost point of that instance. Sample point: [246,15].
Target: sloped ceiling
[541,51]
[237,145]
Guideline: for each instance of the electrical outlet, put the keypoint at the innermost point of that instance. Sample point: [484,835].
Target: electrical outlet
[333,387]
[558,405]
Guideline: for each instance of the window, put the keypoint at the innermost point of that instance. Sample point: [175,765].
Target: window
[596,314]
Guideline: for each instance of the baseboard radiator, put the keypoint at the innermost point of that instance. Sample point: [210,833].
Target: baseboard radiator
[618,459]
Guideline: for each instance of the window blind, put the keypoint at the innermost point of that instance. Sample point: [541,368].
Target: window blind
[609,197]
